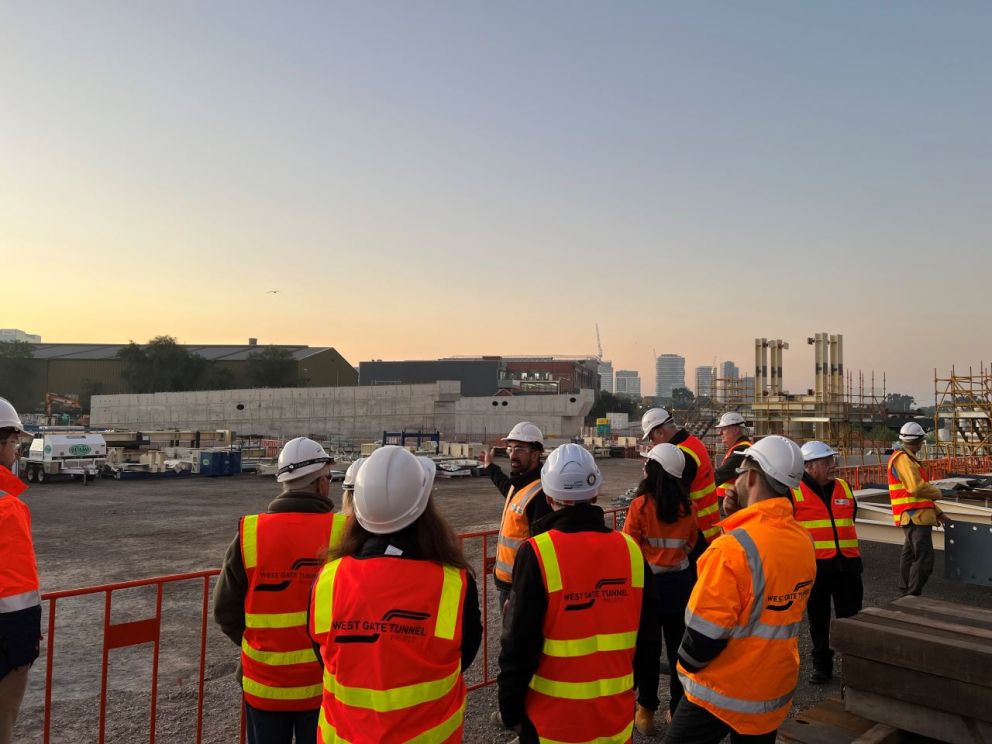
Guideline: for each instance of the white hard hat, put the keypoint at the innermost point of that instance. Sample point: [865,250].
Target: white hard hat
[300,456]
[779,458]
[911,431]
[571,474]
[653,418]
[817,450]
[670,457]
[392,489]
[9,417]
[352,472]
[732,418]
[525,431]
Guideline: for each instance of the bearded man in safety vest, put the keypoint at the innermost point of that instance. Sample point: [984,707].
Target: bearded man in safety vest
[20,600]
[263,592]
[735,438]
[524,504]
[825,507]
[579,630]
[660,428]
[739,658]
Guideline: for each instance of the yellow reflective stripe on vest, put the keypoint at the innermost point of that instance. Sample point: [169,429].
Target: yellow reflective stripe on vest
[396,698]
[617,738]
[275,619]
[689,451]
[590,644]
[710,533]
[279,658]
[897,486]
[441,732]
[704,491]
[909,500]
[280,693]
[447,610]
[552,573]
[323,598]
[582,690]
[636,562]
[797,495]
[338,524]
[714,507]
[814,523]
[827,544]
[249,541]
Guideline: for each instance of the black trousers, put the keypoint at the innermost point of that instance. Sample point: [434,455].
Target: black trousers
[916,561]
[278,727]
[692,724]
[847,591]
[672,629]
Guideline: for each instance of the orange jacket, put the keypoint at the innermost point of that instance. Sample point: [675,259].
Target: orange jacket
[702,490]
[19,586]
[832,528]
[666,546]
[514,528]
[754,581]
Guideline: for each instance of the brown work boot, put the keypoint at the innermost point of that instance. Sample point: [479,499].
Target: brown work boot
[644,720]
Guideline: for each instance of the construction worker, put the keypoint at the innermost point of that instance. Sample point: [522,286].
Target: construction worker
[739,659]
[825,506]
[20,597]
[913,509]
[579,630]
[660,428]
[260,600]
[661,520]
[348,486]
[734,436]
[395,613]
[524,504]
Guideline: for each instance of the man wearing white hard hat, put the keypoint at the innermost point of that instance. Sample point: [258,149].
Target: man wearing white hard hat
[524,504]
[266,578]
[733,434]
[825,507]
[739,658]
[913,509]
[580,625]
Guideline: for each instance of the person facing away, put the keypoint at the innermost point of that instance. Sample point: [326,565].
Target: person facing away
[579,630]
[739,658]
[663,523]
[394,614]
[261,597]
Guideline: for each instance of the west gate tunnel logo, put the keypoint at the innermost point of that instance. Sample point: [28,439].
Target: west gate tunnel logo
[391,624]
[295,573]
[578,601]
[782,602]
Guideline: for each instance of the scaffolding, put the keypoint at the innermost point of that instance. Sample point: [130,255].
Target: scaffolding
[963,412]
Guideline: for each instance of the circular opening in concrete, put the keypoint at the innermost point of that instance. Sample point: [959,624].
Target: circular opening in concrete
[505,403]
[240,406]
[571,400]
[495,402]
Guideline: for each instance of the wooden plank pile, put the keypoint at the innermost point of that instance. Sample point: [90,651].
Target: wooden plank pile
[920,665]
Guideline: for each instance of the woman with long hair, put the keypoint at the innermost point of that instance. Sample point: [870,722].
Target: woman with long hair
[394,614]
[661,519]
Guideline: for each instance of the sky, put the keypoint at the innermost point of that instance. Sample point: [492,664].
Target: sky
[432,179]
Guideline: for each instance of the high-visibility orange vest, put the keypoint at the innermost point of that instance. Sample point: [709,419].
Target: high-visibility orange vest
[702,490]
[750,684]
[390,636]
[721,488]
[902,499]
[19,587]
[830,533]
[514,528]
[583,688]
[666,546]
[282,556]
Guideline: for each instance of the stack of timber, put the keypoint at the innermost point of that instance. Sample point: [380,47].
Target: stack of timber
[829,723]
[920,665]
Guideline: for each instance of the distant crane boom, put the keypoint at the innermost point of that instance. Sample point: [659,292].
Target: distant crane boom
[599,344]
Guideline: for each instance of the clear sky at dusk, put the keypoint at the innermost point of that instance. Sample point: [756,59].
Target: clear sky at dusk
[431,179]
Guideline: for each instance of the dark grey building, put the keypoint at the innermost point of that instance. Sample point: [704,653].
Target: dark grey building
[478,377]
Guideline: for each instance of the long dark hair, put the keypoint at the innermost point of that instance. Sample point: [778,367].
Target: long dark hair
[670,494]
[433,536]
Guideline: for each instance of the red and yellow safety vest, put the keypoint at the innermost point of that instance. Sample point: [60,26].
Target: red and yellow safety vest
[19,587]
[702,490]
[666,546]
[721,489]
[390,636]
[282,555]
[754,581]
[514,528]
[902,500]
[831,529]
[583,688]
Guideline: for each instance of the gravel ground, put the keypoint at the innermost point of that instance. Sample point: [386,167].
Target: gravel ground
[114,531]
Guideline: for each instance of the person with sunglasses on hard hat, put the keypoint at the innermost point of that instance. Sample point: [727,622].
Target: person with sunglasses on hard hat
[733,434]
[825,507]
[261,597]
[394,614]
[20,595]
[739,658]
[661,520]
[348,486]
[579,630]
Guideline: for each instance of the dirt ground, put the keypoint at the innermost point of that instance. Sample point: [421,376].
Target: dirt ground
[113,531]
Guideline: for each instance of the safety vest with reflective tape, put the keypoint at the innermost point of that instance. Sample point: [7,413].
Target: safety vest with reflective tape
[282,553]
[754,581]
[666,546]
[832,529]
[514,528]
[583,688]
[902,500]
[390,635]
[19,587]
[721,489]
[702,490]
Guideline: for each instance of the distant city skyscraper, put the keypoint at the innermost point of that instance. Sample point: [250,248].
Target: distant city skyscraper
[16,334]
[606,376]
[628,383]
[704,382]
[729,371]
[669,372]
